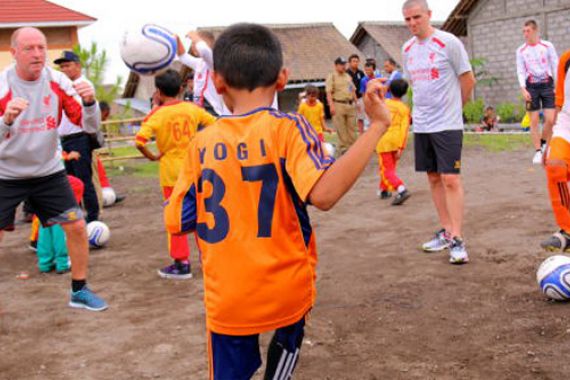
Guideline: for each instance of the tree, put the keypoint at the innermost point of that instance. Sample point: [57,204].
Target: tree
[484,78]
[95,63]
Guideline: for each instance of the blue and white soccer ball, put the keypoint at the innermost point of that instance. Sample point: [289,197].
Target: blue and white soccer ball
[98,234]
[148,50]
[553,277]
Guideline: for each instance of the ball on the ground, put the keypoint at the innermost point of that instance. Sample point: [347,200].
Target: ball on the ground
[149,49]
[329,149]
[109,196]
[553,277]
[98,234]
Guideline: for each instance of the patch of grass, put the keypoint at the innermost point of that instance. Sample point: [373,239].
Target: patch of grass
[498,143]
[137,168]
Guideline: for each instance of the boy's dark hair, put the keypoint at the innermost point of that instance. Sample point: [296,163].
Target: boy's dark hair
[248,56]
[168,83]
[392,62]
[312,90]
[353,56]
[104,106]
[398,88]
[370,64]
[531,23]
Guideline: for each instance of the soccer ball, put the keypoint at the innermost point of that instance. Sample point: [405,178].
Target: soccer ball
[329,149]
[149,49]
[553,277]
[109,196]
[98,234]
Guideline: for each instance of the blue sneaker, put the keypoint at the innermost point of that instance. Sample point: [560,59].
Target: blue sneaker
[176,271]
[86,299]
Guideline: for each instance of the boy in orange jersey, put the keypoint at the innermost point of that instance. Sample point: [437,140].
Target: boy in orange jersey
[314,111]
[173,123]
[392,144]
[558,161]
[244,188]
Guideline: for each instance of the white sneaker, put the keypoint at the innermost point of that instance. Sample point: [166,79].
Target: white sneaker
[441,241]
[537,159]
[457,252]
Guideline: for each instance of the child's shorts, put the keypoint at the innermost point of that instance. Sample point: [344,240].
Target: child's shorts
[238,357]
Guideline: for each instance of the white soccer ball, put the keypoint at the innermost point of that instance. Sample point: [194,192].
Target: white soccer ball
[109,196]
[149,49]
[98,234]
[329,149]
[553,277]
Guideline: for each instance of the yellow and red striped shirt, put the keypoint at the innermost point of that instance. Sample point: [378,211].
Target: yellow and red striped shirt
[173,124]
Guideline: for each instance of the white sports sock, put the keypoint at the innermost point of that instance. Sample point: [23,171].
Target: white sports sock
[401,188]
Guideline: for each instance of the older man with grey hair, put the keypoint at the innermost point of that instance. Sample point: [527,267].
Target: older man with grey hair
[32,100]
[442,80]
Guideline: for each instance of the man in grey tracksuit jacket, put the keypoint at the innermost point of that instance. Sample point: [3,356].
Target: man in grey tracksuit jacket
[33,99]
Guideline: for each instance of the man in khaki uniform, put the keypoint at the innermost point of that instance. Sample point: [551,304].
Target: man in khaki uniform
[341,97]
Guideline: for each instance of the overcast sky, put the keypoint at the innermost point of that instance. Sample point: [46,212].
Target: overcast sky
[116,16]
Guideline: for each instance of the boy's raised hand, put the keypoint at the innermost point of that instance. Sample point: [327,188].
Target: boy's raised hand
[374,104]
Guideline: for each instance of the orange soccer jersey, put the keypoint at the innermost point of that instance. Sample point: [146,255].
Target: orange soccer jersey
[243,188]
[173,124]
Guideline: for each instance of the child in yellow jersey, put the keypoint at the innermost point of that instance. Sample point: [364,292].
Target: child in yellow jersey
[244,188]
[392,144]
[314,111]
[173,123]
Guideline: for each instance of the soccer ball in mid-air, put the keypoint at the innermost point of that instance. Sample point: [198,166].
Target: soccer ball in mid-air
[148,50]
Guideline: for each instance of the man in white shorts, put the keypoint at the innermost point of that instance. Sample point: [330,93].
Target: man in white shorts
[438,68]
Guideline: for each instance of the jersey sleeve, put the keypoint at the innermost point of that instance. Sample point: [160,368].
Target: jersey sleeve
[301,109]
[190,61]
[206,54]
[458,57]
[146,132]
[404,126]
[205,119]
[180,213]
[305,160]
[553,61]
[563,67]
[521,70]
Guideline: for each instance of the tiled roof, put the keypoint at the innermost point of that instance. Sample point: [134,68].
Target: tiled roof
[15,13]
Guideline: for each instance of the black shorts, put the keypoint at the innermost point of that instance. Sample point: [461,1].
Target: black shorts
[50,197]
[438,152]
[541,94]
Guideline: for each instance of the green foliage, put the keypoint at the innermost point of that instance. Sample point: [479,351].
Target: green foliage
[510,112]
[94,63]
[498,143]
[484,78]
[474,110]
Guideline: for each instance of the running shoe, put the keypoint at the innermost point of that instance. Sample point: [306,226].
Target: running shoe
[440,241]
[537,159]
[176,271]
[457,252]
[384,194]
[86,299]
[559,241]
[400,198]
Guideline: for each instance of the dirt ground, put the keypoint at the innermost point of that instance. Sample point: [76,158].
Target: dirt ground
[384,311]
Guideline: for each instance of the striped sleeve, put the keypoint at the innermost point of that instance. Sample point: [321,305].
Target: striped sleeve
[553,57]
[563,67]
[146,132]
[305,158]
